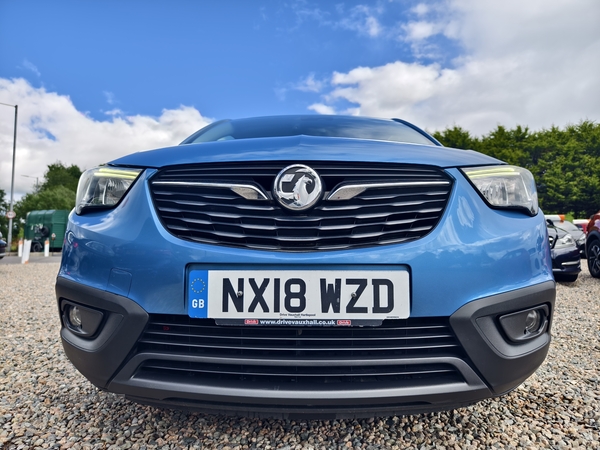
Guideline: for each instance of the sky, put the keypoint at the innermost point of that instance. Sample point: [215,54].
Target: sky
[96,80]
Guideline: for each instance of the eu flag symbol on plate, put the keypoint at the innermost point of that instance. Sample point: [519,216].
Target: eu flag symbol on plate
[197,294]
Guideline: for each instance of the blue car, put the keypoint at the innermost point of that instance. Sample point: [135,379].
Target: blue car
[307,266]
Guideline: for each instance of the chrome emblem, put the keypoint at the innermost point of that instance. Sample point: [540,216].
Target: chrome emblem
[297,187]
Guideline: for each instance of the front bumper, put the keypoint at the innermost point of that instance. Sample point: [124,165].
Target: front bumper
[480,363]
[566,261]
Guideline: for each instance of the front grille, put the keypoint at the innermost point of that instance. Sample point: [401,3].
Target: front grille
[197,203]
[399,353]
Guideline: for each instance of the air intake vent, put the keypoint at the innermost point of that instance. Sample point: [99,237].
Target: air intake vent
[409,352]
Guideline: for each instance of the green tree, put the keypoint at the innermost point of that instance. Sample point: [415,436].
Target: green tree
[3,210]
[456,137]
[568,169]
[57,191]
[60,175]
[4,207]
[58,197]
[507,145]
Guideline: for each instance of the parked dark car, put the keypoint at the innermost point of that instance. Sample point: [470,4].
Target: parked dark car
[592,245]
[2,247]
[577,233]
[308,266]
[566,260]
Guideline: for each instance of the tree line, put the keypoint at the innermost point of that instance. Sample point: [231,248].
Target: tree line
[565,163]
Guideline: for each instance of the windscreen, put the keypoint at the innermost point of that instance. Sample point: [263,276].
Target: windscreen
[331,126]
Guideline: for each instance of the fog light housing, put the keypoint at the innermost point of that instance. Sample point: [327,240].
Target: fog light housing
[527,324]
[81,320]
[74,316]
[533,321]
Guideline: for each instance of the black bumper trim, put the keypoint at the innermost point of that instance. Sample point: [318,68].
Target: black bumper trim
[494,365]
[497,359]
[310,412]
[124,322]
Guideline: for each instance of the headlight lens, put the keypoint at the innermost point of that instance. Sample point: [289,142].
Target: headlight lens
[506,187]
[565,241]
[103,187]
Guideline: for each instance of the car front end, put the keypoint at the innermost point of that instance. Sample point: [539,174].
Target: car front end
[306,276]
[565,254]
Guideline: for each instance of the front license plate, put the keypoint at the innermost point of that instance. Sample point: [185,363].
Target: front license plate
[289,297]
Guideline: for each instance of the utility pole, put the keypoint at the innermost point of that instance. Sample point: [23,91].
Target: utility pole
[11,213]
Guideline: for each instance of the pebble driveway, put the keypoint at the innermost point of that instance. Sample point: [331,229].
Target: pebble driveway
[45,403]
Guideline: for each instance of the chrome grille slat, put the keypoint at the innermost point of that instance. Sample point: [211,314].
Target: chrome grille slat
[254,206]
[305,238]
[319,222]
[314,217]
[397,205]
[405,203]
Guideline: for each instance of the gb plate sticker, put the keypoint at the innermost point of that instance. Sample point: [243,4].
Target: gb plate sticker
[197,294]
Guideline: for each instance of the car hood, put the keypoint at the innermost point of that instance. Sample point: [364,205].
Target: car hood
[305,148]
[577,234]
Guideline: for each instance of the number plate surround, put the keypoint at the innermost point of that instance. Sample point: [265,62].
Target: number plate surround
[303,297]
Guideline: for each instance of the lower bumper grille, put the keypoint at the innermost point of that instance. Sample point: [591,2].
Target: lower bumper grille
[301,378]
[400,353]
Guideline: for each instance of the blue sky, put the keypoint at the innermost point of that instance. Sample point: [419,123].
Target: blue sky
[95,80]
[226,58]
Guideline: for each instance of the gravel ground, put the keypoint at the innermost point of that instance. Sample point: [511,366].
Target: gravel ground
[46,403]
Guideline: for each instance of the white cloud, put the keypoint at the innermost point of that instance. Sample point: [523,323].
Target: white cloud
[534,63]
[304,11]
[372,26]
[114,112]
[420,30]
[421,9]
[31,67]
[391,89]
[321,108]
[364,20]
[310,84]
[50,129]
[110,97]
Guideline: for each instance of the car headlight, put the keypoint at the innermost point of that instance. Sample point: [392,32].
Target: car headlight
[564,241]
[505,187]
[103,187]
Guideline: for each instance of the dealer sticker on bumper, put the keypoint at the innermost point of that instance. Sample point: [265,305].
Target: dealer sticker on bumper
[308,297]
